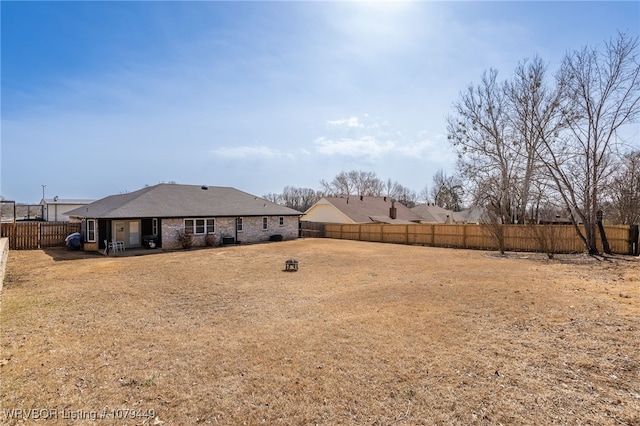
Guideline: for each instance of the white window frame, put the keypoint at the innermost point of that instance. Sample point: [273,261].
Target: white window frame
[265,223]
[281,220]
[239,224]
[199,226]
[154,226]
[91,230]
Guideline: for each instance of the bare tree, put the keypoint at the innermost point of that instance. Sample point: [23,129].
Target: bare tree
[274,198]
[341,185]
[355,182]
[447,191]
[599,93]
[392,189]
[479,134]
[300,199]
[533,109]
[624,192]
[407,197]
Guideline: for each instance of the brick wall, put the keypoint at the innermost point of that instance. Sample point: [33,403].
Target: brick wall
[226,227]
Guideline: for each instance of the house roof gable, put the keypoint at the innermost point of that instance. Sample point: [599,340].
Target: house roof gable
[174,200]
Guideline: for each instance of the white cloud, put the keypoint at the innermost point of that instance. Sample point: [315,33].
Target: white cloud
[371,148]
[346,122]
[366,146]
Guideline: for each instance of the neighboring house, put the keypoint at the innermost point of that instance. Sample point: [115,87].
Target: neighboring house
[55,209]
[431,213]
[162,212]
[355,209]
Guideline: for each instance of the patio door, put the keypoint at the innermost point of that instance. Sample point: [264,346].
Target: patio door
[134,233]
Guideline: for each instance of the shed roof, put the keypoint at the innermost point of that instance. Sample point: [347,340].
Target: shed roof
[57,200]
[174,200]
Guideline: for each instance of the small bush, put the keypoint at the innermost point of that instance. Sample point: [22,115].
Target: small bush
[211,240]
[185,239]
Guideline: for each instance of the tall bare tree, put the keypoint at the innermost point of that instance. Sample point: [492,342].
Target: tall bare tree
[479,134]
[533,110]
[599,92]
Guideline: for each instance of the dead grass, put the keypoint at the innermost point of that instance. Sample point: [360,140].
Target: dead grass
[362,334]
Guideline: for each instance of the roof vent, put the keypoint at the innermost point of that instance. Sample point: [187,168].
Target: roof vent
[55,198]
[205,187]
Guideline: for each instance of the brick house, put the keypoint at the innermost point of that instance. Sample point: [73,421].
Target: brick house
[162,212]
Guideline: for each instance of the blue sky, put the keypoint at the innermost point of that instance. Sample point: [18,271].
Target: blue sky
[100,98]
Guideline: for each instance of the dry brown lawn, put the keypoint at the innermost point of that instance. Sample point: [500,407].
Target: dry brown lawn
[362,334]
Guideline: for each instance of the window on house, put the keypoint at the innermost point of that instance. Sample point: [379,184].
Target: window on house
[91,230]
[154,226]
[265,223]
[281,220]
[239,224]
[199,226]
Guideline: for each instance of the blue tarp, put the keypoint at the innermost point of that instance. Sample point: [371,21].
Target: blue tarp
[74,241]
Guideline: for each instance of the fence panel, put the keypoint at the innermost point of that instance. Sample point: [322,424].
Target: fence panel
[618,237]
[449,235]
[311,229]
[533,238]
[53,234]
[371,232]
[420,234]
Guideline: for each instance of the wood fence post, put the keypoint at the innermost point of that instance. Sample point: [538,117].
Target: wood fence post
[634,240]
[464,235]
[433,235]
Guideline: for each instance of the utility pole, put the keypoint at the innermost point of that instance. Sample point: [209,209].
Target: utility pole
[43,186]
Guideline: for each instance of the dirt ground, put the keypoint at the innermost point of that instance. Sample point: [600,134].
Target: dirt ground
[362,334]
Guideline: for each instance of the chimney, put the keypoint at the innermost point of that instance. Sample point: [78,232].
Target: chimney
[392,209]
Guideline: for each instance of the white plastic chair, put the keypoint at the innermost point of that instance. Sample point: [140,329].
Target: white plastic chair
[110,246]
[117,245]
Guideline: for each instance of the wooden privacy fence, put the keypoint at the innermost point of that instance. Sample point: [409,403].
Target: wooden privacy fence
[311,229]
[36,235]
[534,238]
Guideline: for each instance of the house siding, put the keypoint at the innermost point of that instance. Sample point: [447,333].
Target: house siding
[226,227]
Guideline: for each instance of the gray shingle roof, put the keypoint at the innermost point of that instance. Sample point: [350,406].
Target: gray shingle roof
[370,208]
[173,200]
[435,214]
